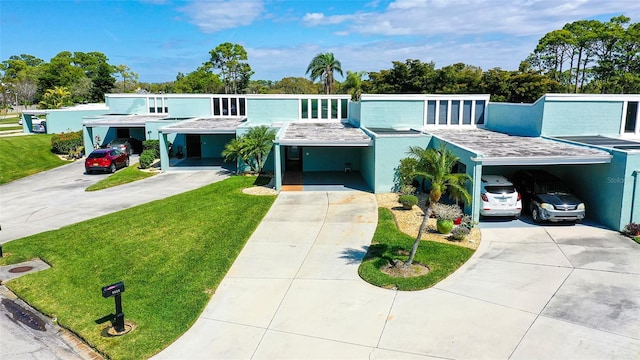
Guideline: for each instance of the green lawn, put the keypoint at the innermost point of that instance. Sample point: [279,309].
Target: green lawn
[10,120]
[171,255]
[126,175]
[22,156]
[390,243]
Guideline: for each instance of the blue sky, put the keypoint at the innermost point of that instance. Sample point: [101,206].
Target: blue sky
[159,38]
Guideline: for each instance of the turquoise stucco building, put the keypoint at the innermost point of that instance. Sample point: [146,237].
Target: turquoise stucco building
[591,141]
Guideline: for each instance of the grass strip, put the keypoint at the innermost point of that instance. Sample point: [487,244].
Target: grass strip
[124,176]
[171,255]
[22,156]
[389,243]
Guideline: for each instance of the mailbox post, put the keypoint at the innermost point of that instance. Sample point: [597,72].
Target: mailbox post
[116,290]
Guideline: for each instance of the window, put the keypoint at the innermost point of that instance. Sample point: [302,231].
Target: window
[225,106]
[314,108]
[334,108]
[479,112]
[442,116]
[243,107]
[324,108]
[305,108]
[631,117]
[431,112]
[156,106]
[231,106]
[455,112]
[466,112]
[216,106]
[344,107]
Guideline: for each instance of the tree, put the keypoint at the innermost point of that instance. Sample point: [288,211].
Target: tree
[252,148]
[229,59]
[409,77]
[56,98]
[435,165]
[294,85]
[200,81]
[353,84]
[322,66]
[126,74]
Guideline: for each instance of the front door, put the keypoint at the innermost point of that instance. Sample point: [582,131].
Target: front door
[293,158]
[194,149]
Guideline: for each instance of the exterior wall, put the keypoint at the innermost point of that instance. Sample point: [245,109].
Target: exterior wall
[127,105]
[631,191]
[354,113]
[368,165]
[330,158]
[575,118]
[268,111]
[392,113]
[515,119]
[212,145]
[189,107]
[388,152]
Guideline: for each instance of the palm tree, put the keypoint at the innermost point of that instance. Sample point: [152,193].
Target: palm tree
[322,67]
[56,98]
[354,83]
[435,165]
[252,148]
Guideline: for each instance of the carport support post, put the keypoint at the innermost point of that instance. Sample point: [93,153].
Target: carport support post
[87,138]
[278,166]
[475,194]
[164,151]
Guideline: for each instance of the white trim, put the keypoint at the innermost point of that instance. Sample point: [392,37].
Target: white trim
[592,97]
[296,96]
[424,97]
[623,122]
[544,160]
[302,142]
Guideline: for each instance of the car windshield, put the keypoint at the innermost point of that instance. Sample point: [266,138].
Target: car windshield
[551,187]
[96,155]
[500,189]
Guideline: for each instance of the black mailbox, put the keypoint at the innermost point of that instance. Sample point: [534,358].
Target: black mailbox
[113,289]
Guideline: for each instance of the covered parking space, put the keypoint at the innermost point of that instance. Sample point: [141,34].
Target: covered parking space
[198,142]
[102,129]
[317,156]
[503,154]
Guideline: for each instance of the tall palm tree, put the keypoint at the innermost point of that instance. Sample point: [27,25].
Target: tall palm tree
[322,67]
[436,166]
[354,83]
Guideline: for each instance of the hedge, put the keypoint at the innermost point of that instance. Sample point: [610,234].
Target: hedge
[153,145]
[66,143]
[146,159]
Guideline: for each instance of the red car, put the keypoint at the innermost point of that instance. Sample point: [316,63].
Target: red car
[106,160]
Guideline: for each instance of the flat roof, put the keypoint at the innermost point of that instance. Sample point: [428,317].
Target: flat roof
[494,148]
[214,125]
[325,133]
[118,120]
[604,141]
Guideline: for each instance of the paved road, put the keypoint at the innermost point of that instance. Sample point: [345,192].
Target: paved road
[529,292]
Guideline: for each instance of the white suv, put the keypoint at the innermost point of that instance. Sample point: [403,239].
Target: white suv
[499,197]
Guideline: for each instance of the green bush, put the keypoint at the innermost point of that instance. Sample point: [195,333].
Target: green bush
[153,145]
[146,159]
[408,201]
[459,232]
[65,143]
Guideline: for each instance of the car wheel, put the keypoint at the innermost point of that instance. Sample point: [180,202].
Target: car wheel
[516,217]
[126,163]
[112,168]
[89,172]
[535,214]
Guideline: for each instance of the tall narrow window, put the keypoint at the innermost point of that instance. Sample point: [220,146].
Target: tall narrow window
[225,106]
[334,108]
[442,116]
[314,108]
[243,109]
[216,106]
[479,112]
[325,108]
[455,112]
[632,115]
[152,105]
[466,112]
[431,112]
[234,107]
[304,111]
[344,108]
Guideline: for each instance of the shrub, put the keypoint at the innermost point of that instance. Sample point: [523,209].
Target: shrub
[65,143]
[632,229]
[146,159]
[467,221]
[459,232]
[408,201]
[446,212]
[407,190]
[153,145]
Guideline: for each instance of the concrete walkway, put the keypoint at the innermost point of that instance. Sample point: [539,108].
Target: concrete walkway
[530,292]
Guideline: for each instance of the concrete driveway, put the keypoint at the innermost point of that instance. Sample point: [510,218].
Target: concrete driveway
[56,198]
[529,292]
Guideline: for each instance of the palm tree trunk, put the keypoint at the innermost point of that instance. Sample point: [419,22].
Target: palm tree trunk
[423,226]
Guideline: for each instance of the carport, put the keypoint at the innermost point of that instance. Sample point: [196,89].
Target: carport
[100,130]
[197,143]
[502,154]
[321,156]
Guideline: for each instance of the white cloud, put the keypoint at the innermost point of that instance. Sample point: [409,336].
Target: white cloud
[461,17]
[215,15]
